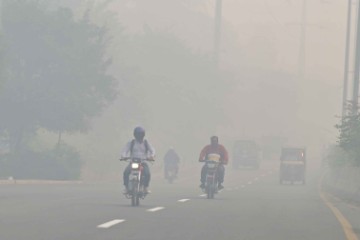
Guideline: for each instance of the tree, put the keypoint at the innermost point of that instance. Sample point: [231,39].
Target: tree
[57,69]
[349,138]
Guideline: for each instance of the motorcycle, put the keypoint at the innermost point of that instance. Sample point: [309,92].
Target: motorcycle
[170,173]
[211,183]
[135,185]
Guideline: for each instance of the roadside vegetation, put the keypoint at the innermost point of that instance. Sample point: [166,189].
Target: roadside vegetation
[343,159]
[54,78]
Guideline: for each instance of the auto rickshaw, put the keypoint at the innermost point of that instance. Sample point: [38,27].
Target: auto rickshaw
[292,165]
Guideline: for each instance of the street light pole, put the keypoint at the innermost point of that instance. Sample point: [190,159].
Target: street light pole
[1,16]
[346,67]
[302,50]
[217,32]
[357,67]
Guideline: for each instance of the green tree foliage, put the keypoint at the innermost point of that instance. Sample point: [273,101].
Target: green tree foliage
[57,71]
[56,78]
[349,139]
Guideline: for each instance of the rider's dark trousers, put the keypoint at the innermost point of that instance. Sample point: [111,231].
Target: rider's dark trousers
[220,173]
[145,175]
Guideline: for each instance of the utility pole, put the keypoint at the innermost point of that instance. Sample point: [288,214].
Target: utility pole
[302,50]
[346,67]
[1,17]
[357,66]
[217,32]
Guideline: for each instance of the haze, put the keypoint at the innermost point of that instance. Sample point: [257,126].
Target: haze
[76,78]
[262,94]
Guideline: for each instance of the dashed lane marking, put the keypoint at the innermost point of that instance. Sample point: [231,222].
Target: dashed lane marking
[184,200]
[202,195]
[111,223]
[250,182]
[155,209]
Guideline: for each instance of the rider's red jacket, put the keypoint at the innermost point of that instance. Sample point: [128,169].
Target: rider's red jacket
[219,149]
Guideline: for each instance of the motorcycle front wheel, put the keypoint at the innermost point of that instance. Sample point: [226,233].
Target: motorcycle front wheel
[135,194]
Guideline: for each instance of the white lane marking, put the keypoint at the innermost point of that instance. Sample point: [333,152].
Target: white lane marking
[183,200]
[155,209]
[202,195]
[250,182]
[111,223]
[256,179]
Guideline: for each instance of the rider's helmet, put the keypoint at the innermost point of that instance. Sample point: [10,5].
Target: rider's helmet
[214,140]
[139,133]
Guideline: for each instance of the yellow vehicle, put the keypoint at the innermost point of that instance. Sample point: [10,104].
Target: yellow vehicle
[292,165]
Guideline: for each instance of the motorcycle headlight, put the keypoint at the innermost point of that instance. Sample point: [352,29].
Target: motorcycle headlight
[211,165]
[135,165]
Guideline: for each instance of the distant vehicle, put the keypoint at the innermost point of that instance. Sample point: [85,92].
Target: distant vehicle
[292,165]
[171,174]
[246,153]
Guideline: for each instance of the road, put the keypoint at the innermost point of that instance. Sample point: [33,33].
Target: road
[252,206]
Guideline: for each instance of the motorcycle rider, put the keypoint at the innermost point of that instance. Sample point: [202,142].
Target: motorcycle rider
[138,148]
[171,161]
[214,148]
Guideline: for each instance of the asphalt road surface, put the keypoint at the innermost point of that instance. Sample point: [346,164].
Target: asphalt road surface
[253,206]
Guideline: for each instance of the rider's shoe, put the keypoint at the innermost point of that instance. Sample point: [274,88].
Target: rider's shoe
[202,185]
[220,186]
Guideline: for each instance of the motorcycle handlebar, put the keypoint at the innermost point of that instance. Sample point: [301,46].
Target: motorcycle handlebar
[129,158]
[221,162]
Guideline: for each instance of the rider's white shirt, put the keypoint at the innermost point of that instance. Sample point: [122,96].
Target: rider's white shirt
[139,150]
